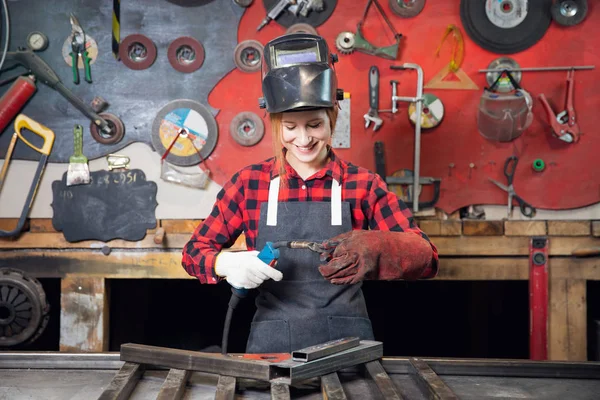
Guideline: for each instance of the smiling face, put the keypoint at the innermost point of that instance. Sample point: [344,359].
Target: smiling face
[305,135]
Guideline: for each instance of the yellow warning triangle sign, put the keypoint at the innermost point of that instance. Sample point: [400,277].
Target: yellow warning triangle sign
[463,82]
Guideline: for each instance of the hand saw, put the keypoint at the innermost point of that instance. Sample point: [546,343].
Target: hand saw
[23,121]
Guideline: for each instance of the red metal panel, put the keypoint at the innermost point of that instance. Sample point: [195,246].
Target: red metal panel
[538,298]
[570,178]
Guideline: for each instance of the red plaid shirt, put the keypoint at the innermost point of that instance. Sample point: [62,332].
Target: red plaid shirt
[237,208]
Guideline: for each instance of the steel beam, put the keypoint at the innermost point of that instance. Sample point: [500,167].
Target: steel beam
[47,360]
[495,367]
[430,383]
[290,371]
[230,365]
[173,388]
[321,350]
[225,388]
[383,381]
[280,391]
[123,382]
[331,387]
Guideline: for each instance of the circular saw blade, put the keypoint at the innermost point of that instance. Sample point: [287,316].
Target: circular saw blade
[432,114]
[504,85]
[198,122]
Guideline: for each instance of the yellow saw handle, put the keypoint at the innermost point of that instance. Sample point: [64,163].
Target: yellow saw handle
[23,121]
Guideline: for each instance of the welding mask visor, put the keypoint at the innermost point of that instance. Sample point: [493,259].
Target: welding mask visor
[298,74]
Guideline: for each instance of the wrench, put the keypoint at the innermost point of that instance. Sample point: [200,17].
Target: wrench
[372,115]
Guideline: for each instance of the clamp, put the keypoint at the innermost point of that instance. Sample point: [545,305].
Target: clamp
[564,124]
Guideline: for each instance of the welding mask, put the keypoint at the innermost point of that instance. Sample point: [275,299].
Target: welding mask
[298,74]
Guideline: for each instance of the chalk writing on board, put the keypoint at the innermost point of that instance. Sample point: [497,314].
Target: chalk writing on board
[114,205]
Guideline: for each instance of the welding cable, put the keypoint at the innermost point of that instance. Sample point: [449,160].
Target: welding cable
[7,23]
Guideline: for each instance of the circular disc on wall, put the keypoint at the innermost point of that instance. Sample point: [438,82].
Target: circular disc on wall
[117,130]
[186,54]
[313,18]
[569,12]
[247,55]
[506,26]
[199,124]
[406,8]
[432,114]
[301,28]
[90,45]
[247,128]
[504,85]
[137,52]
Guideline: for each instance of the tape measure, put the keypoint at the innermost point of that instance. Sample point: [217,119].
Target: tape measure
[432,114]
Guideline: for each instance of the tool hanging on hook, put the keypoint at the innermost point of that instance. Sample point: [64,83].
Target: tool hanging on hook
[453,67]
[361,44]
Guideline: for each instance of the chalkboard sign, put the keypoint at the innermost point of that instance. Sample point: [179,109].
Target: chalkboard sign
[114,205]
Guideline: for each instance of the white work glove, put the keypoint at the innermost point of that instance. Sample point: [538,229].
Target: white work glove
[243,269]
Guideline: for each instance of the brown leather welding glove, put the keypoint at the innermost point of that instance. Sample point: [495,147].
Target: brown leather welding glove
[378,255]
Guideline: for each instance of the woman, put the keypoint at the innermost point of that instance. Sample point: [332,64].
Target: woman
[306,192]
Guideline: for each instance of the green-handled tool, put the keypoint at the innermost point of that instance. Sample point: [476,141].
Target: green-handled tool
[78,172]
[78,50]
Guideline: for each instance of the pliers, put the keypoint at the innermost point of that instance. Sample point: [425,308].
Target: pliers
[78,50]
[564,125]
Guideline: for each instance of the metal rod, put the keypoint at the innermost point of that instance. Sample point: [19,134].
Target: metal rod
[173,388]
[331,387]
[123,382]
[291,372]
[430,382]
[321,350]
[505,368]
[382,380]
[539,69]
[225,388]
[196,361]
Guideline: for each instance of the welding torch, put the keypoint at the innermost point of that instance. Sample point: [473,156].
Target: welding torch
[45,74]
[269,255]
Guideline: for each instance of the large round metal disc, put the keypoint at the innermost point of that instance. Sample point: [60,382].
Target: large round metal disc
[500,28]
[406,8]
[432,114]
[23,308]
[313,18]
[247,128]
[569,12]
[504,85]
[196,120]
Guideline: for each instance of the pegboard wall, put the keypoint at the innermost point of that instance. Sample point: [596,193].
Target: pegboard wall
[569,180]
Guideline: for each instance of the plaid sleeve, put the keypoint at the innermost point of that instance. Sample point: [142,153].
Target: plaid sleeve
[386,211]
[219,230]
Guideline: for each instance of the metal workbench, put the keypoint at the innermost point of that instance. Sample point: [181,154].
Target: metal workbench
[85,376]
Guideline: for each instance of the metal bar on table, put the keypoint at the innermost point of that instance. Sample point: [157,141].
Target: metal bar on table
[539,69]
[331,387]
[35,360]
[383,381]
[507,368]
[280,391]
[225,388]
[321,350]
[290,371]
[123,383]
[430,382]
[173,387]
[215,363]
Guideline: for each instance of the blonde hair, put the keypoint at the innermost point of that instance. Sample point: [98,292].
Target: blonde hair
[277,130]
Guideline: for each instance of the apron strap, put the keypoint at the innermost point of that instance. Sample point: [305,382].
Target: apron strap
[336,202]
